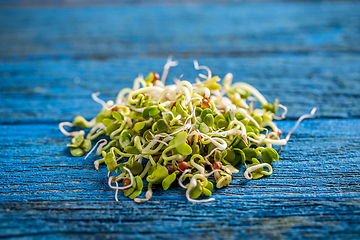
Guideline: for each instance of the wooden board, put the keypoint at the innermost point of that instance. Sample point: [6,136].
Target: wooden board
[52,59]
[321,159]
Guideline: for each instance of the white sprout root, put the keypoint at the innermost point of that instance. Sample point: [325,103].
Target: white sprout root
[299,121]
[180,181]
[117,188]
[249,170]
[104,142]
[193,182]
[148,196]
[71,134]
[98,100]
[167,66]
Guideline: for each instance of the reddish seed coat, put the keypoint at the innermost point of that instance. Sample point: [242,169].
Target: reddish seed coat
[205,103]
[182,165]
[126,182]
[279,132]
[217,165]
[170,168]
[156,77]
[192,139]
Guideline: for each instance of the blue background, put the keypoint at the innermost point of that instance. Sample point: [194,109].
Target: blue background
[54,54]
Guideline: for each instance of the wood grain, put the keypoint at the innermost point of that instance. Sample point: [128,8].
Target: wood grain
[291,52]
[196,30]
[52,87]
[320,160]
[235,219]
[52,59]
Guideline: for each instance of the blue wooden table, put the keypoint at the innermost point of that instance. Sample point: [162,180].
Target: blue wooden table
[53,55]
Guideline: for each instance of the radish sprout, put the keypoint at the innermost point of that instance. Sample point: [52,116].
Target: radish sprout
[182,133]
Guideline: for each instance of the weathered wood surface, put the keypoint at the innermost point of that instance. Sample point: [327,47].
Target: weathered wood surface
[300,83]
[321,159]
[305,54]
[314,192]
[172,219]
[51,60]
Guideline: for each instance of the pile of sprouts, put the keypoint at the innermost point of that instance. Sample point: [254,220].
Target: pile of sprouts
[195,134]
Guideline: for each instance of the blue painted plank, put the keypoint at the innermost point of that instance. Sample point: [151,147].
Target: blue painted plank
[236,219]
[320,160]
[307,55]
[57,90]
[194,30]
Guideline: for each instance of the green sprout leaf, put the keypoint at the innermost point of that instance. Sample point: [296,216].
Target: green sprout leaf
[180,109]
[79,146]
[107,121]
[77,152]
[222,124]
[131,150]
[268,116]
[146,113]
[112,127]
[257,119]
[198,111]
[224,180]
[138,188]
[80,121]
[207,189]
[204,128]
[249,153]
[125,139]
[77,140]
[228,116]
[118,116]
[180,138]
[154,111]
[239,116]
[86,145]
[205,112]
[234,156]
[268,155]
[229,156]
[209,120]
[129,191]
[184,149]
[137,144]
[238,142]
[196,191]
[161,125]
[136,168]
[100,117]
[217,156]
[218,118]
[159,174]
[240,156]
[211,84]
[110,161]
[258,172]
[169,180]
[140,127]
